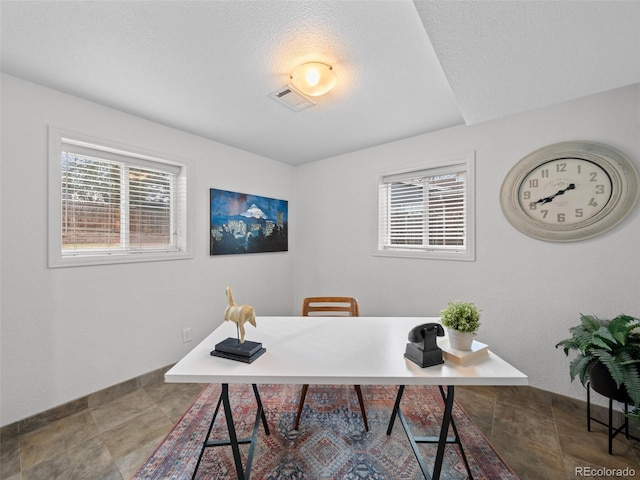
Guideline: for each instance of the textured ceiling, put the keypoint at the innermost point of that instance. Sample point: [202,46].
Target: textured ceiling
[506,57]
[208,67]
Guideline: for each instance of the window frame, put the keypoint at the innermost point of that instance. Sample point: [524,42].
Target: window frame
[138,157]
[463,161]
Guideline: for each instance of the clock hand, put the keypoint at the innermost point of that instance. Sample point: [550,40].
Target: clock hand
[559,192]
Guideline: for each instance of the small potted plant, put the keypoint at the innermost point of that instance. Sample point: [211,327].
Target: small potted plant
[462,321]
[608,356]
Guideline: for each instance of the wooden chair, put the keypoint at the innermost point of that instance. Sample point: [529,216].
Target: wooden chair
[330,307]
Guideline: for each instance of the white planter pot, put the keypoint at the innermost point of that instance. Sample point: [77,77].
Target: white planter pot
[460,340]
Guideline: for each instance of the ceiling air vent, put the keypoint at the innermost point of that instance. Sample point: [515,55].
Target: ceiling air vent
[291,98]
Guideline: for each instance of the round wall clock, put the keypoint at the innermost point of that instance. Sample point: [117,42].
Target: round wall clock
[569,191]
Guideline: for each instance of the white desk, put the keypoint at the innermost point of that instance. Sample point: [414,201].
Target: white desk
[336,350]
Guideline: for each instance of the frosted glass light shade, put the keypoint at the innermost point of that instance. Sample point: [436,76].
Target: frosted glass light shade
[313,79]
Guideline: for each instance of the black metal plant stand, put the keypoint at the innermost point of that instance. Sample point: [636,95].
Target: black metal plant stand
[234,441]
[442,440]
[613,431]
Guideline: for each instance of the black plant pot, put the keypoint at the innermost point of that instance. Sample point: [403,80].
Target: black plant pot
[601,381]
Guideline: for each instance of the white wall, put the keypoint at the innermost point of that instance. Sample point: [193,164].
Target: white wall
[530,291]
[68,332]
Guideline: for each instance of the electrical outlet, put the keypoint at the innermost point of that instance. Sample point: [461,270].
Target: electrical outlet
[186,335]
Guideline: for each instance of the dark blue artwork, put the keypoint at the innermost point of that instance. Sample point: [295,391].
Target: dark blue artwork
[242,223]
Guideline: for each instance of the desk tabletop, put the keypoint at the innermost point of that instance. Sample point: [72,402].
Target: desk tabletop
[334,350]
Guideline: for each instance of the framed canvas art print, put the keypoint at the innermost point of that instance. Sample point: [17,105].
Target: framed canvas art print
[243,223]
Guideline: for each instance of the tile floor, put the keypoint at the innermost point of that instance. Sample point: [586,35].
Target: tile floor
[542,436]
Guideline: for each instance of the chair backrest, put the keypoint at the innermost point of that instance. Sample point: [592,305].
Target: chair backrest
[330,307]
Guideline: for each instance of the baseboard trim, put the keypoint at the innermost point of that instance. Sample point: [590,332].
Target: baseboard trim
[42,419]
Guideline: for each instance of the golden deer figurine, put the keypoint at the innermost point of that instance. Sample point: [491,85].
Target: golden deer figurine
[239,314]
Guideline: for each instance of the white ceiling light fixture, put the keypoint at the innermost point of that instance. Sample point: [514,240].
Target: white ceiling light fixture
[313,79]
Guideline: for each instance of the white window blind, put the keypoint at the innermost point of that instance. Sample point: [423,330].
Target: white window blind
[425,211]
[113,204]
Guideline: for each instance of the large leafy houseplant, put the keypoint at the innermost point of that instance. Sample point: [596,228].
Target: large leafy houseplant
[613,343]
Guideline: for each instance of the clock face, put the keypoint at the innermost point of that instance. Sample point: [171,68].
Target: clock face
[569,191]
[565,191]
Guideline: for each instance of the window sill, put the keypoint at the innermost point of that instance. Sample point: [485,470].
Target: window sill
[428,255]
[88,260]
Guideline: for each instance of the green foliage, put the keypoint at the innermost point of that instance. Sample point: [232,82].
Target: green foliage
[615,343]
[461,316]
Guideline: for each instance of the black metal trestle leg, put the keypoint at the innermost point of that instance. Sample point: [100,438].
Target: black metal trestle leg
[442,440]
[234,441]
[455,430]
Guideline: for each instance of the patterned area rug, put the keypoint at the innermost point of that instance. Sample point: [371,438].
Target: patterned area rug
[331,442]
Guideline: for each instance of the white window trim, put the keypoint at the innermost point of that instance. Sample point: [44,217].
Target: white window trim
[467,161]
[55,257]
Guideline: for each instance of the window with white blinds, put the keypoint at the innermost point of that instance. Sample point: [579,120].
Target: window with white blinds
[427,212]
[113,206]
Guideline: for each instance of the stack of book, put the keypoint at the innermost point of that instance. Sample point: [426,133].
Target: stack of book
[232,349]
[478,350]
